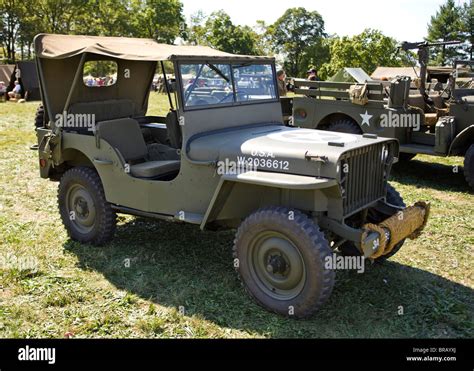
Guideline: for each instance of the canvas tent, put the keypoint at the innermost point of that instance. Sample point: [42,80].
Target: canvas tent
[389,73]
[7,75]
[28,77]
[440,74]
[348,74]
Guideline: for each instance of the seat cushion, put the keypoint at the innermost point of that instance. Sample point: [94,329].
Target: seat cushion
[105,110]
[152,169]
[125,135]
[437,100]
[416,100]
[161,152]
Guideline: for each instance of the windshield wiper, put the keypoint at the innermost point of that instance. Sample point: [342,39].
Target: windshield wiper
[218,71]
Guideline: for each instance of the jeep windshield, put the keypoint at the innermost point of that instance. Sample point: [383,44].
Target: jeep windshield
[208,84]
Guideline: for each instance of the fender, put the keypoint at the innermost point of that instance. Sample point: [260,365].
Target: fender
[276,180]
[462,141]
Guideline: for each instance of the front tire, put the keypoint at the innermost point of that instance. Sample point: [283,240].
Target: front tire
[280,255]
[469,166]
[405,157]
[85,213]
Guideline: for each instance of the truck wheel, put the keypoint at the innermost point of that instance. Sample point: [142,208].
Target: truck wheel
[469,166]
[85,213]
[394,198]
[39,117]
[405,157]
[344,126]
[280,257]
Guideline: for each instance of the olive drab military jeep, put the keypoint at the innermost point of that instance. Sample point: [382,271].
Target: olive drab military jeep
[221,157]
[434,119]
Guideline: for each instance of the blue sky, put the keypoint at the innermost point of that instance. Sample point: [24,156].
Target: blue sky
[404,20]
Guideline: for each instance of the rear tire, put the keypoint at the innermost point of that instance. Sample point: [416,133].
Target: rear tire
[281,257]
[85,213]
[344,126]
[469,166]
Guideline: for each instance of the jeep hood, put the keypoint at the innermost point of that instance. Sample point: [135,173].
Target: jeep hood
[277,148]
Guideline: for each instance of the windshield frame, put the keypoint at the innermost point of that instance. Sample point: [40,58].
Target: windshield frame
[231,63]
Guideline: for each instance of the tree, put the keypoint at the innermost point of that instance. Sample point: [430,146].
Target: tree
[446,25]
[161,20]
[219,32]
[315,56]
[20,21]
[12,12]
[367,50]
[293,33]
[196,33]
[110,18]
[468,21]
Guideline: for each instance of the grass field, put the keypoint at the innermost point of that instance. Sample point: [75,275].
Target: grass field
[168,280]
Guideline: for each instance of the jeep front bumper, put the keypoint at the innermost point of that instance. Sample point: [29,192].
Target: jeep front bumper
[380,239]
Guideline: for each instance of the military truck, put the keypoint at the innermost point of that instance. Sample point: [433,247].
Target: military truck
[220,158]
[439,123]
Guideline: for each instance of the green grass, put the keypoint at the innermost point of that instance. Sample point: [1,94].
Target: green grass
[180,281]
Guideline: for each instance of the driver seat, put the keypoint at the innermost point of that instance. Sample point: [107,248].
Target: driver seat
[126,137]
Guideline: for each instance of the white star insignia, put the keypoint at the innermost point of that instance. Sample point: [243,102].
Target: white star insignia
[365,118]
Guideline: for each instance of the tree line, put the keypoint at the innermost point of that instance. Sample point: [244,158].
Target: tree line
[298,38]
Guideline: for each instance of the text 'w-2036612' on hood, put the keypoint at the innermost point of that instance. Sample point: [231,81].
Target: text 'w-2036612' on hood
[277,148]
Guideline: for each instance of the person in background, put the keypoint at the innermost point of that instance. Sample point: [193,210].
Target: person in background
[281,76]
[16,92]
[313,75]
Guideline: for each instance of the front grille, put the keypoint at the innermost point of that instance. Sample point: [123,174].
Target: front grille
[364,173]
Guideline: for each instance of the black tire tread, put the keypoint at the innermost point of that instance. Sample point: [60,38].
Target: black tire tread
[108,217]
[405,157]
[345,126]
[469,165]
[302,224]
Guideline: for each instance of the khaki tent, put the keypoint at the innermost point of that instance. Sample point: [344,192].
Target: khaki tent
[348,74]
[29,80]
[389,73]
[7,75]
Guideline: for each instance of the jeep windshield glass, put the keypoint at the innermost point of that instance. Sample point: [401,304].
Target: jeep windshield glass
[224,84]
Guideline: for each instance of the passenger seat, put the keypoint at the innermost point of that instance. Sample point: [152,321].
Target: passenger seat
[126,137]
